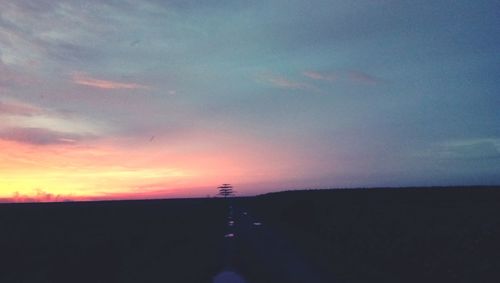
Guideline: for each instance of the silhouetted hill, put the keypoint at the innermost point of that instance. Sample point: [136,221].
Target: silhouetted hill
[437,234]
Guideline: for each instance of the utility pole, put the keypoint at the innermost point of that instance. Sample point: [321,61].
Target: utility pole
[226,190]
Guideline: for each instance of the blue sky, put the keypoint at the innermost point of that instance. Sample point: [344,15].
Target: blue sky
[289,94]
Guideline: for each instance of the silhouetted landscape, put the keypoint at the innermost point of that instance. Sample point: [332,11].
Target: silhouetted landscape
[343,235]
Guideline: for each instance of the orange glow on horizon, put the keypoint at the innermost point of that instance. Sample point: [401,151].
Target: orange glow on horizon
[105,171]
[68,172]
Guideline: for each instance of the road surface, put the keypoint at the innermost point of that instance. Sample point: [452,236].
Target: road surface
[254,252]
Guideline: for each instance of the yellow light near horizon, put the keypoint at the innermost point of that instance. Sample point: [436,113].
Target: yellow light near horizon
[73,172]
[89,182]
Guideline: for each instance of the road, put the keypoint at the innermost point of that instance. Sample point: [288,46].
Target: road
[256,250]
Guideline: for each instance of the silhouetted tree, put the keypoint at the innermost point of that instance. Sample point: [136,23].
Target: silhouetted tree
[226,190]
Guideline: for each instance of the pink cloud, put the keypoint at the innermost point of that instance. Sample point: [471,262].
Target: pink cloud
[282,82]
[86,80]
[320,76]
[362,77]
[39,136]
[11,108]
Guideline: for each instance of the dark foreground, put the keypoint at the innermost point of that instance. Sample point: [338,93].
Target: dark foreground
[374,235]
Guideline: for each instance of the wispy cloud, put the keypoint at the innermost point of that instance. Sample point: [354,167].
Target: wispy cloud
[10,77]
[320,76]
[86,80]
[471,149]
[362,77]
[31,124]
[282,82]
[350,76]
[40,136]
[19,109]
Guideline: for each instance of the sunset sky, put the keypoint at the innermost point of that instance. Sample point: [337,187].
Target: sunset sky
[153,99]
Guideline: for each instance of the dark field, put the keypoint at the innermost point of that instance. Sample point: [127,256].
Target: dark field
[372,235]
[129,241]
